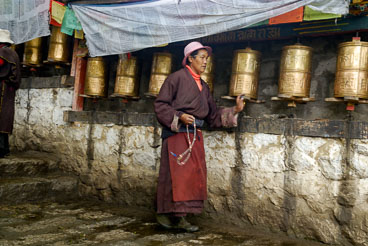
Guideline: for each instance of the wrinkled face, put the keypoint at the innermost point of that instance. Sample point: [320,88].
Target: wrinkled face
[198,62]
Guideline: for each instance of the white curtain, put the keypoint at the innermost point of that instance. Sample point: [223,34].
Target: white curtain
[123,28]
[25,19]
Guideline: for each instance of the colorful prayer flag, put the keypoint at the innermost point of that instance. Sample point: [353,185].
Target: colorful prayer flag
[295,15]
[57,11]
[311,14]
[78,34]
[70,22]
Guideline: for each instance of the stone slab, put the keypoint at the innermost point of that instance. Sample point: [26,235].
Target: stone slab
[28,164]
[22,190]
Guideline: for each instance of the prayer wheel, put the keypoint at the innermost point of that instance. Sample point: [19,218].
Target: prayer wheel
[58,49]
[95,84]
[295,71]
[161,68]
[208,74]
[245,72]
[32,52]
[126,83]
[352,70]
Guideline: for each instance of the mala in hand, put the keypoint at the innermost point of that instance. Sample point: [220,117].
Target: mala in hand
[188,151]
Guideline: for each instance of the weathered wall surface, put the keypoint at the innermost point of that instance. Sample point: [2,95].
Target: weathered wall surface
[307,187]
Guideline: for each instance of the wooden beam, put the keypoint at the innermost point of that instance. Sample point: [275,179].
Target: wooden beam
[67,81]
[284,126]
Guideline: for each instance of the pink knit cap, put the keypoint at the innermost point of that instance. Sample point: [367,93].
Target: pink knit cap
[193,46]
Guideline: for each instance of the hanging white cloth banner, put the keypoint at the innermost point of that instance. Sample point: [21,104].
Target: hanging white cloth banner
[25,19]
[121,28]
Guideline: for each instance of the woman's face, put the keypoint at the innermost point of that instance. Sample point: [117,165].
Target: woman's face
[198,62]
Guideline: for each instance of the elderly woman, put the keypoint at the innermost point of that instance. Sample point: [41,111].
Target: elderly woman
[182,106]
[9,83]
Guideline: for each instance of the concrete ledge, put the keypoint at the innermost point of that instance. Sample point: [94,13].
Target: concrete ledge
[285,126]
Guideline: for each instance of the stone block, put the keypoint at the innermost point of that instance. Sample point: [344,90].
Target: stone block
[21,116]
[42,99]
[64,97]
[264,152]
[21,98]
[359,158]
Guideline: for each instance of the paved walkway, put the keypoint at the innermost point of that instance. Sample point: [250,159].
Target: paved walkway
[85,223]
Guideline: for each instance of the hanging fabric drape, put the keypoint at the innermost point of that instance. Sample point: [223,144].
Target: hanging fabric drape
[26,20]
[122,28]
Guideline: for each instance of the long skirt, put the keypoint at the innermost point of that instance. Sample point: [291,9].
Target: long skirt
[165,203]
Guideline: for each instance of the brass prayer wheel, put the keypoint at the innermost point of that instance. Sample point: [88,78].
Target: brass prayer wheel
[245,72]
[352,70]
[126,83]
[208,74]
[32,52]
[161,68]
[295,71]
[58,49]
[95,83]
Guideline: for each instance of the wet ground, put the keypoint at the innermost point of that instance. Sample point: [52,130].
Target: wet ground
[84,223]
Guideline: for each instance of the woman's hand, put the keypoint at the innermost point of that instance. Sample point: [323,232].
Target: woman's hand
[187,119]
[239,104]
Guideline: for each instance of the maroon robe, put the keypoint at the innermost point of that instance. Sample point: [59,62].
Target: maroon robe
[9,83]
[182,189]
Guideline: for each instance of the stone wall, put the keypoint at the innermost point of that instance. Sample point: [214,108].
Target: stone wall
[307,187]
[303,176]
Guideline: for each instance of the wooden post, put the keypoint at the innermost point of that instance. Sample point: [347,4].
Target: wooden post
[78,71]
[74,59]
[80,75]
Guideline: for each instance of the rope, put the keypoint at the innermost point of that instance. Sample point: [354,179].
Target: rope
[187,153]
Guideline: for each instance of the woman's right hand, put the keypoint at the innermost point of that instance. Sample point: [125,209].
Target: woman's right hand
[187,119]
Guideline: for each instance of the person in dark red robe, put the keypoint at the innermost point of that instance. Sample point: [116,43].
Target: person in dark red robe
[182,106]
[9,83]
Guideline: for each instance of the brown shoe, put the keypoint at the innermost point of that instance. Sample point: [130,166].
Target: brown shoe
[164,220]
[185,225]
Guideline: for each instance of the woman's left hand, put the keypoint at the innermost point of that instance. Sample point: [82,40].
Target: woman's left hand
[239,104]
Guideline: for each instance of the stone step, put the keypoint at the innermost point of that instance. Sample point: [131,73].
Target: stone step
[26,189]
[31,164]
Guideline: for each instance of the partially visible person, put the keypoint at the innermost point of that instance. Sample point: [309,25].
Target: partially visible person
[9,83]
[183,104]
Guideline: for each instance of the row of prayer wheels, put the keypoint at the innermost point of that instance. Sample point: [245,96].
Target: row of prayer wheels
[58,49]
[294,78]
[126,82]
[351,80]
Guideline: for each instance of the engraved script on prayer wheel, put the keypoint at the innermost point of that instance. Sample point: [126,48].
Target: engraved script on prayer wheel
[295,71]
[58,49]
[208,74]
[352,70]
[161,68]
[126,83]
[245,71]
[95,84]
[32,52]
